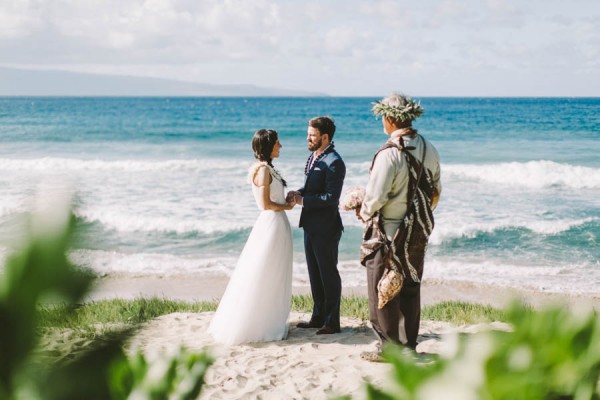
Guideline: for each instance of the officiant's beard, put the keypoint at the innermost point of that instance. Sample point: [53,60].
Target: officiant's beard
[312,146]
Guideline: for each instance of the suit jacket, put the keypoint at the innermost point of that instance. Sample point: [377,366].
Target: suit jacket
[321,195]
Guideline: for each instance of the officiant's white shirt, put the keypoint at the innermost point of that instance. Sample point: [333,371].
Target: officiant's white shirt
[387,190]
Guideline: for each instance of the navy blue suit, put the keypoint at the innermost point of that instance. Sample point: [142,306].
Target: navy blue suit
[322,224]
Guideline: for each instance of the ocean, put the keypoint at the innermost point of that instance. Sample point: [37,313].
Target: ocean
[160,183]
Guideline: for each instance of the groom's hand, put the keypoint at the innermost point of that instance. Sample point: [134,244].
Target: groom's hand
[290,196]
[298,198]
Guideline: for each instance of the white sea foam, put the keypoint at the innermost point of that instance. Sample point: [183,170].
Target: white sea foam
[565,278]
[572,278]
[222,202]
[447,230]
[351,272]
[123,222]
[208,197]
[142,264]
[532,174]
[456,223]
[48,164]
[7,210]
[212,224]
[152,264]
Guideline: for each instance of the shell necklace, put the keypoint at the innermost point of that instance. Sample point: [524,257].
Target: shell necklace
[310,163]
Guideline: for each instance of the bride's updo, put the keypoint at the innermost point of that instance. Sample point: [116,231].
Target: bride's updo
[262,143]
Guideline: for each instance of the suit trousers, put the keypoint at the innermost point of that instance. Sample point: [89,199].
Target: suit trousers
[325,282]
[398,321]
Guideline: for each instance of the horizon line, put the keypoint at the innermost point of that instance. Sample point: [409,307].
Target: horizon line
[162,96]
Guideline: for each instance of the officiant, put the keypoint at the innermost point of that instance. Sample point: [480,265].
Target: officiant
[403,189]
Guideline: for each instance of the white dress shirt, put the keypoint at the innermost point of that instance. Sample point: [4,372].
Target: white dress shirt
[387,190]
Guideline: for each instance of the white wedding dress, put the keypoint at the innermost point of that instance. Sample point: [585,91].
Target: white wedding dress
[256,303]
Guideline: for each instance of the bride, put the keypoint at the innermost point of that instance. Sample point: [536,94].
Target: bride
[256,303]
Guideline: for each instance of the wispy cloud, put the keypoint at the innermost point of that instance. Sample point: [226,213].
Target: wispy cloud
[353,46]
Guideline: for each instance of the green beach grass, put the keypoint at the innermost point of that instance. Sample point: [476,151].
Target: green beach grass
[117,314]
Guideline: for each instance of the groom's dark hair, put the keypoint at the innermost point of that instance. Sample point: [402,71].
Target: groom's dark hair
[324,125]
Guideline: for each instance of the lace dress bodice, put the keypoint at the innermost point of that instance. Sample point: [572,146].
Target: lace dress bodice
[276,188]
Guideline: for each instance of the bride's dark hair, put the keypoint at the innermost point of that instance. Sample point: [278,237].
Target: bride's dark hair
[262,143]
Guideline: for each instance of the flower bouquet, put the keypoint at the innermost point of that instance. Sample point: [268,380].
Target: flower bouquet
[353,199]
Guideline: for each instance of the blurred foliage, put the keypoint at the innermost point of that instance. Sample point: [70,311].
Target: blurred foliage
[40,272]
[181,375]
[550,354]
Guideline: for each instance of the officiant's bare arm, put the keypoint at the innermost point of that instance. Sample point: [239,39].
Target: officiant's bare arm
[379,186]
[263,180]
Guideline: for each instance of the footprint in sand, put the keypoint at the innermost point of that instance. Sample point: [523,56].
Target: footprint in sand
[261,371]
[306,387]
[280,362]
[241,382]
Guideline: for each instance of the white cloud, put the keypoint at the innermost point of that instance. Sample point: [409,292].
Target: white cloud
[18,18]
[587,33]
[505,12]
[146,25]
[391,15]
[341,40]
[446,12]
[299,44]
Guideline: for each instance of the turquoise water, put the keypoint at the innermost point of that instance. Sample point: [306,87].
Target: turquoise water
[161,182]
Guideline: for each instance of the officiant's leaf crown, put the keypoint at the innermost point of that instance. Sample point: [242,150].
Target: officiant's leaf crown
[399,107]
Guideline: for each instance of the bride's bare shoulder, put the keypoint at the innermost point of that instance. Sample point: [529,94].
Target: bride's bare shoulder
[259,174]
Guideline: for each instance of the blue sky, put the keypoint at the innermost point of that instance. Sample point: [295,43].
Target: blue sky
[352,47]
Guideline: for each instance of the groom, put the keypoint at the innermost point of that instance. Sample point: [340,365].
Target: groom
[324,176]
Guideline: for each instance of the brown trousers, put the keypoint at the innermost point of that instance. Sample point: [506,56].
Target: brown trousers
[398,321]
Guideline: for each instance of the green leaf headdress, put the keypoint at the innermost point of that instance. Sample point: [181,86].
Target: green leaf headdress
[399,107]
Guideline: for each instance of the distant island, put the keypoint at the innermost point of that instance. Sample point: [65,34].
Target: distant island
[26,82]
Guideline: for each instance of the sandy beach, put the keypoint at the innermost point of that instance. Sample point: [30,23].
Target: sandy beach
[305,366]
[211,287]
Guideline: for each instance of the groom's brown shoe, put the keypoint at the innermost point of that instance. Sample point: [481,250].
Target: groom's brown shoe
[327,330]
[309,324]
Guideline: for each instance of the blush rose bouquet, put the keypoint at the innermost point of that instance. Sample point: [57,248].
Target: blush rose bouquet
[353,199]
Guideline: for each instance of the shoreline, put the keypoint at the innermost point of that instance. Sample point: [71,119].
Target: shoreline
[203,287]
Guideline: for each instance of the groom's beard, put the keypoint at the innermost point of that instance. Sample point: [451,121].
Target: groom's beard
[312,146]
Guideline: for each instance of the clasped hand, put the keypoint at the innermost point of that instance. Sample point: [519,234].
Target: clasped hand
[293,197]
